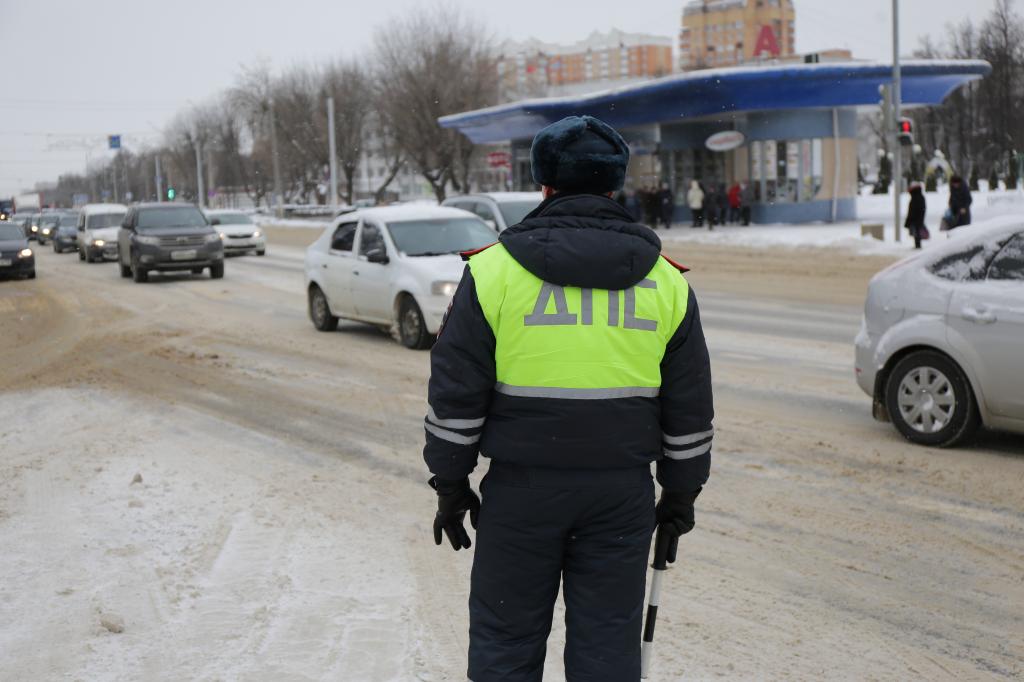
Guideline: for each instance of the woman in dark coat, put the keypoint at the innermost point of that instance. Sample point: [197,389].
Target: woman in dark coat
[915,216]
[959,202]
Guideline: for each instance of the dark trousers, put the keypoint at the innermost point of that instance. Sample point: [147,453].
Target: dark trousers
[698,216]
[589,530]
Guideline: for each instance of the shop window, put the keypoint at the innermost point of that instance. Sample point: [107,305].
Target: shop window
[816,165]
[771,169]
[756,169]
[792,172]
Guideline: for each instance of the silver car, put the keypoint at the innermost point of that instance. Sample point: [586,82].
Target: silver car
[941,346]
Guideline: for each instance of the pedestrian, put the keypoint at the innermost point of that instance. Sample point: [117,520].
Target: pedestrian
[722,203]
[960,201]
[710,207]
[695,200]
[667,205]
[735,202]
[915,215]
[572,356]
[652,210]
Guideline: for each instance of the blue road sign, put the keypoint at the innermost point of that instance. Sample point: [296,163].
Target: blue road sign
[115,141]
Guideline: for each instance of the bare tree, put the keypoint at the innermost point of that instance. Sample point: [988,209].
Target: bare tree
[349,84]
[432,63]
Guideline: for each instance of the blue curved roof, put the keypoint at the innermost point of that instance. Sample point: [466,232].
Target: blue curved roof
[702,94]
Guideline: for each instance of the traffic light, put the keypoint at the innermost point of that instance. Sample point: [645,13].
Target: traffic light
[170,194]
[905,131]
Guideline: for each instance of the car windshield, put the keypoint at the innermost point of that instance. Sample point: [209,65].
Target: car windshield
[183,216]
[69,220]
[440,236]
[100,220]
[232,218]
[10,232]
[514,211]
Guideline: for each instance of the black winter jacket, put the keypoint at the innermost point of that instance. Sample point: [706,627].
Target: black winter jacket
[582,241]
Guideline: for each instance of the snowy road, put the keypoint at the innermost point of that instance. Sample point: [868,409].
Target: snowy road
[280,529]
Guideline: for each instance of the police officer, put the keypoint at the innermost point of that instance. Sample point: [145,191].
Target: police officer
[572,356]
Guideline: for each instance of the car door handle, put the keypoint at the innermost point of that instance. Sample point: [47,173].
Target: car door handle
[355,272]
[978,316]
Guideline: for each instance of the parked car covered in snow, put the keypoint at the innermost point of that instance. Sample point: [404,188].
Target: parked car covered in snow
[500,210]
[941,346]
[239,234]
[394,267]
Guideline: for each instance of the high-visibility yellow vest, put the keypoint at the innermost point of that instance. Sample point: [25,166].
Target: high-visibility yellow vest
[568,342]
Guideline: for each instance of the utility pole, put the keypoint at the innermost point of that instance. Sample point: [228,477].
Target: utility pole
[200,192]
[210,178]
[159,180]
[894,121]
[113,175]
[278,193]
[334,154]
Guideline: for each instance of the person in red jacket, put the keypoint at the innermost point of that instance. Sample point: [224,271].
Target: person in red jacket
[735,202]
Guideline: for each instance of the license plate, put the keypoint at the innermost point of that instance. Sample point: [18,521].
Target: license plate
[5,262]
[183,255]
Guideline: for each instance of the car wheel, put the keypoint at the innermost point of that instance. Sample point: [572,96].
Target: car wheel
[930,400]
[139,274]
[32,274]
[217,271]
[81,254]
[56,249]
[261,252]
[320,311]
[412,329]
[126,270]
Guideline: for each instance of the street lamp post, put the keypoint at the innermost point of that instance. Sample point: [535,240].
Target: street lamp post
[897,103]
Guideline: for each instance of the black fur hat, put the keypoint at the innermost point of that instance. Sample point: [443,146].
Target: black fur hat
[580,154]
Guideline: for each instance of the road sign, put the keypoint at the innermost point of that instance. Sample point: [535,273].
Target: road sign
[128,196]
[114,141]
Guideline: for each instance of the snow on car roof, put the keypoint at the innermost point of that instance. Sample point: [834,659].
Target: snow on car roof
[419,211]
[510,196]
[91,209]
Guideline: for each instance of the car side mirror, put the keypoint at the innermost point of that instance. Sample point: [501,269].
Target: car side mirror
[377,256]
[214,221]
[493,224]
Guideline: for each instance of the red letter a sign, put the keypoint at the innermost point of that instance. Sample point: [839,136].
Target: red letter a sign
[766,42]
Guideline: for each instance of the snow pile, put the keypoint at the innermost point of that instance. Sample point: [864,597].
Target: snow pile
[847,235]
[264,220]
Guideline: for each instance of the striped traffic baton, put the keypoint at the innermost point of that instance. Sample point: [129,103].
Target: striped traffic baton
[663,545]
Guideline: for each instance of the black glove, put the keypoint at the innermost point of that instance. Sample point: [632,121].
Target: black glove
[454,499]
[675,517]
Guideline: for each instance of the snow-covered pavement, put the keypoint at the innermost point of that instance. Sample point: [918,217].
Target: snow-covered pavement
[280,525]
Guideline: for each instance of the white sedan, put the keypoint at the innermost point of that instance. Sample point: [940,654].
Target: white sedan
[395,267]
[941,347]
[238,232]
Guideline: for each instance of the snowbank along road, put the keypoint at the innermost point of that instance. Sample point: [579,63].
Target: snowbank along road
[195,484]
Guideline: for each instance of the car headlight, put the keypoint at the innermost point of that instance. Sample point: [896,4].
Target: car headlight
[153,241]
[214,237]
[25,253]
[35,228]
[223,236]
[446,289]
[257,234]
[98,242]
[46,230]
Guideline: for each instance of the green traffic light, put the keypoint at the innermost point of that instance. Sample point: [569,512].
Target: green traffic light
[170,194]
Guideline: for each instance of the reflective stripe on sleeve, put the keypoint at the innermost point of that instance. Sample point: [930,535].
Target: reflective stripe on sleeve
[454,423]
[577,393]
[686,440]
[690,453]
[451,436]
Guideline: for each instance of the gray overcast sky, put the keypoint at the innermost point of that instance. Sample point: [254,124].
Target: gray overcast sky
[75,70]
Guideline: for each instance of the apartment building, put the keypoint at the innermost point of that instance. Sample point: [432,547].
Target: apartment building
[718,33]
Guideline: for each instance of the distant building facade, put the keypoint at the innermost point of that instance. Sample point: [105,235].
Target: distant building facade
[532,68]
[718,33]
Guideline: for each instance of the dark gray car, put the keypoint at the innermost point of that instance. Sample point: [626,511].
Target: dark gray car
[167,238]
